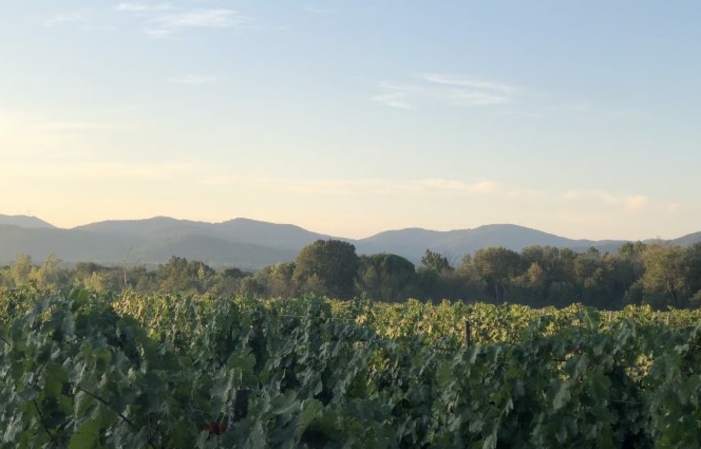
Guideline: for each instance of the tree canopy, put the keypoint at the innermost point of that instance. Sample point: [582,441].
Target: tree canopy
[651,274]
[327,267]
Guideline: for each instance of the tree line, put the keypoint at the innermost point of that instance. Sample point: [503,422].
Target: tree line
[656,275]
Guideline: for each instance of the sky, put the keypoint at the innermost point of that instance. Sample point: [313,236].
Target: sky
[580,118]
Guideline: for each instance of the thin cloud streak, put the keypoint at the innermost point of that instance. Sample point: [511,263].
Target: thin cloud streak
[473,83]
[72,127]
[163,20]
[99,170]
[29,135]
[444,89]
[590,109]
[395,100]
[434,186]
[316,10]
[193,79]
[632,203]
[143,7]
[64,18]
[205,18]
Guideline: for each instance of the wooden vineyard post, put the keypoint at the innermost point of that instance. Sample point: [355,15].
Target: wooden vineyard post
[238,407]
[467,334]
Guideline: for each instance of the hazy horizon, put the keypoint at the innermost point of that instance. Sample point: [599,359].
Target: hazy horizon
[358,237]
[349,119]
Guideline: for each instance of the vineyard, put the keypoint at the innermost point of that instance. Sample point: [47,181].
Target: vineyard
[81,370]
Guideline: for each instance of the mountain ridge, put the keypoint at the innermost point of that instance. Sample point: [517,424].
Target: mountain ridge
[25,221]
[253,244]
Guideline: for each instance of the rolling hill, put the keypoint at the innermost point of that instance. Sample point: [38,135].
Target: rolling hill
[24,221]
[251,244]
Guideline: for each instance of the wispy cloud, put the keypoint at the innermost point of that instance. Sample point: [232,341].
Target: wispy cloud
[484,186]
[354,187]
[325,187]
[193,79]
[64,18]
[204,18]
[591,109]
[633,203]
[317,10]
[31,136]
[590,195]
[447,89]
[77,170]
[472,83]
[26,123]
[673,208]
[143,7]
[72,126]
[636,202]
[629,114]
[157,33]
[98,28]
[82,19]
[165,19]
[397,100]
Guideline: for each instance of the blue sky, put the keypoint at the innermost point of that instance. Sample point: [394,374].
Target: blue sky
[577,118]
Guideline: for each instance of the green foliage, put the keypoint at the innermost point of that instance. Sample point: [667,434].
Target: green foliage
[182,276]
[637,274]
[386,276]
[435,262]
[497,266]
[327,267]
[81,370]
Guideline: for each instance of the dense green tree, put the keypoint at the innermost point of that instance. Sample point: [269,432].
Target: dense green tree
[664,281]
[50,276]
[180,276]
[629,267]
[251,287]
[20,272]
[97,278]
[692,264]
[387,276]
[436,278]
[141,279]
[594,279]
[328,266]
[226,282]
[472,286]
[532,287]
[497,266]
[436,262]
[278,280]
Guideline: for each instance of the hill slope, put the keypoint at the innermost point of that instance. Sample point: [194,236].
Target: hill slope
[252,244]
[24,221]
[412,243]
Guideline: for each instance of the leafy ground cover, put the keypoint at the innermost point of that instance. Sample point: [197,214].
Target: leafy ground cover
[80,370]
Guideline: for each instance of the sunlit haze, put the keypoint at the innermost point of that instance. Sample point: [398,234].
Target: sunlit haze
[349,118]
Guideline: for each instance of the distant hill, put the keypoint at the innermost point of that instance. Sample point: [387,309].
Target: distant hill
[251,244]
[140,227]
[687,240]
[24,221]
[241,230]
[412,243]
[153,241]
